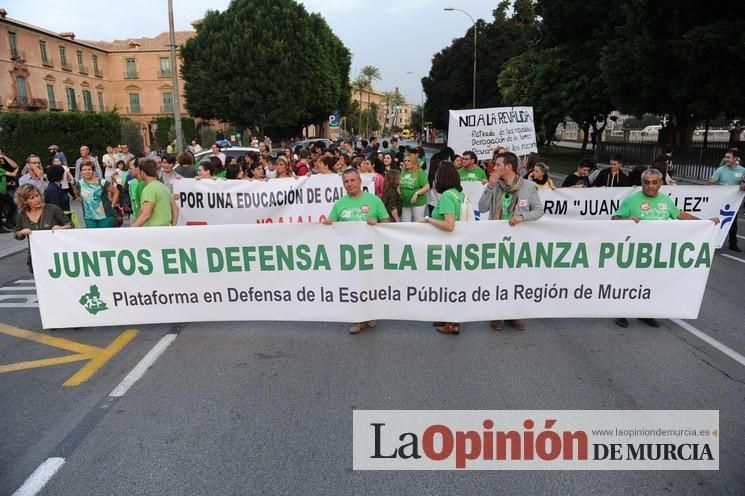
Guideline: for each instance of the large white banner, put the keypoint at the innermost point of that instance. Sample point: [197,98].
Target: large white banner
[483,130]
[300,200]
[351,272]
[704,202]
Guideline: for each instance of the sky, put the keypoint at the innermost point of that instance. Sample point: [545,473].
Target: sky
[396,36]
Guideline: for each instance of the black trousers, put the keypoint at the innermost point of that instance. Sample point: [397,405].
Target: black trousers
[733,233]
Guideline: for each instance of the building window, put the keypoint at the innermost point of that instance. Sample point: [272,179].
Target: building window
[87,101]
[165,67]
[63,58]
[13,45]
[50,96]
[131,68]
[167,103]
[101,108]
[72,104]
[43,51]
[134,103]
[22,91]
[81,66]
[96,69]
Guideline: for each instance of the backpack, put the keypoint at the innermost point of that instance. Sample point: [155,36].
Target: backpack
[466,209]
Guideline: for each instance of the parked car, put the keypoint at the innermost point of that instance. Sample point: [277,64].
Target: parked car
[235,151]
[307,142]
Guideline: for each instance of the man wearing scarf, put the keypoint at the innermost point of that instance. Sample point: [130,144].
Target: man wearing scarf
[507,196]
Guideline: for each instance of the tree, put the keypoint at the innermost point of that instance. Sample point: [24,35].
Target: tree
[263,64]
[683,58]
[359,85]
[449,83]
[370,73]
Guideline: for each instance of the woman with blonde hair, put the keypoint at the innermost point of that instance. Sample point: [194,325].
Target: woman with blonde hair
[284,169]
[414,187]
[539,176]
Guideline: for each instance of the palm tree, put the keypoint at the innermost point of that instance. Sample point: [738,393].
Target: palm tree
[370,73]
[359,85]
[396,101]
[387,101]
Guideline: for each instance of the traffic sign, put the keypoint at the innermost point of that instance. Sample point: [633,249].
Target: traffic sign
[334,119]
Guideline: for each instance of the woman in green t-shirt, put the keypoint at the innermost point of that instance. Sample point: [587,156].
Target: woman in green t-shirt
[447,211]
[414,187]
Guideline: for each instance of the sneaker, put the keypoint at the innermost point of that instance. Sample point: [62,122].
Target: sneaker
[497,325]
[356,328]
[651,322]
[4,229]
[370,323]
[622,322]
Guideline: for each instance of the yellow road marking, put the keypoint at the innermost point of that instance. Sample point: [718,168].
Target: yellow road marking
[100,359]
[64,344]
[97,356]
[46,362]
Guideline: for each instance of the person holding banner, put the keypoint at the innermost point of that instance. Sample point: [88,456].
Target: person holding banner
[444,216]
[357,206]
[507,196]
[648,204]
[35,215]
[733,174]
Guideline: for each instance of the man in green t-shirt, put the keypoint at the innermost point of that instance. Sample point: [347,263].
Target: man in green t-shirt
[158,206]
[470,170]
[357,206]
[648,204]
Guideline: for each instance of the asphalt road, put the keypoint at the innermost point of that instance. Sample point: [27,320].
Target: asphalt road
[266,408]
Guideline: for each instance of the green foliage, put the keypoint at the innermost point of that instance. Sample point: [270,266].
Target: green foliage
[207,135]
[270,65]
[355,116]
[24,133]
[166,132]
[130,135]
[450,81]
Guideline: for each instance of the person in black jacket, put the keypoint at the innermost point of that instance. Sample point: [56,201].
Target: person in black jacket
[613,176]
[580,179]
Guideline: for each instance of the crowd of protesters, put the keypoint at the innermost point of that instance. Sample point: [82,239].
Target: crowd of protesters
[121,188]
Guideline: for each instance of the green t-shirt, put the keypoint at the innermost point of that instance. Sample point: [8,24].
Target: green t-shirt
[506,203]
[475,174]
[221,174]
[135,195]
[158,193]
[358,209]
[661,207]
[725,175]
[3,182]
[450,202]
[410,183]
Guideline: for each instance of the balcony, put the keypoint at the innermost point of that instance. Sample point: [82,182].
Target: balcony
[47,62]
[37,103]
[82,69]
[66,66]
[55,105]
[97,72]
[22,102]
[17,56]
[130,75]
[16,102]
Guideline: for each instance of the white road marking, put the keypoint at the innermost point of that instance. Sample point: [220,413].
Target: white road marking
[710,340]
[18,288]
[40,477]
[733,257]
[25,281]
[147,361]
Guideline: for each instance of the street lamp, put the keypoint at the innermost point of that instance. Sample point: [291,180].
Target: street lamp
[420,80]
[451,9]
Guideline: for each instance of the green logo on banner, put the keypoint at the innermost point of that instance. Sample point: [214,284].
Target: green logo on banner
[92,301]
